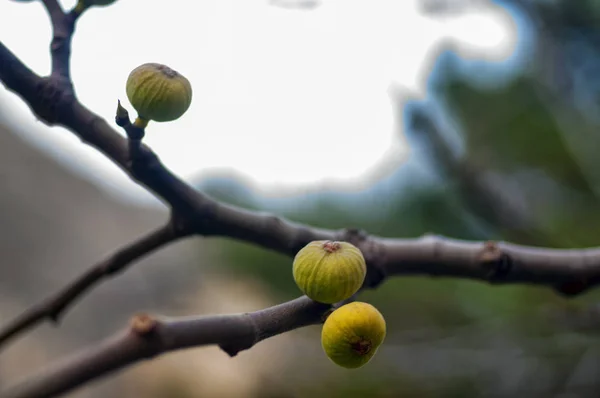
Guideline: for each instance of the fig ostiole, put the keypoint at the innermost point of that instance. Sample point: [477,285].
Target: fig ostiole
[329,271]
[158,93]
[352,334]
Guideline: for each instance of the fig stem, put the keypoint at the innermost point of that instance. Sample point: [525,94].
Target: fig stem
[79,8]
[140,122]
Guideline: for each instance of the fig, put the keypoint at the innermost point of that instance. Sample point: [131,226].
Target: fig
[352,334]
[84,4]
[329,271]
[158,93]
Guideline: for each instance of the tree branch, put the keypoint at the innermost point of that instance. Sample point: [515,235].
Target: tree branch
[569,271]
[53,307]
[211,218]
[63,27]
[148,337]
[53,100]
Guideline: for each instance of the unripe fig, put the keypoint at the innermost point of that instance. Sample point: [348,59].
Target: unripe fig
[352,334]
[82,5]
[158,93]
[328,271]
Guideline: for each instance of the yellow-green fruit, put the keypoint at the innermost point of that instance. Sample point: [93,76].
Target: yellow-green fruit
[158,93]
[328,271]
[83,4]
[352,334]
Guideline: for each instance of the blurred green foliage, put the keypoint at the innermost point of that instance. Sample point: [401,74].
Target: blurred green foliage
[518,136]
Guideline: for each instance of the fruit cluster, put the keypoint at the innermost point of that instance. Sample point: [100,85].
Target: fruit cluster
[326,271]
[330,272]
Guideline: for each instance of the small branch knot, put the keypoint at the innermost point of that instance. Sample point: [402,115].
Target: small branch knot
[232,351]
[55,95]
[353,235]
[494,261]
[122,116]
[372,252]
[143,325]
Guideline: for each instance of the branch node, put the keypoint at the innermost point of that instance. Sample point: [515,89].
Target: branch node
[122,116]
[55,96]
[355,236]
[182,226]
[372,252]
[134,133]
[494,261]
[143,325]
[232,351]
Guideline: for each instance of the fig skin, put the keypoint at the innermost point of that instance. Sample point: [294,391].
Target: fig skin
[83,4]
[328,271]
[352,334]
[158,93]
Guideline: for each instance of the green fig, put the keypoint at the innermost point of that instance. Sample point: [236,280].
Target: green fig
[328,271]
[158,93]
[82,5]
[352,334]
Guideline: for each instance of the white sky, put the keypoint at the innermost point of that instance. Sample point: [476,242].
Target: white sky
[285,98]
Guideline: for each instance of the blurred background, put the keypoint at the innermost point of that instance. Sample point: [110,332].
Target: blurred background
[474,119]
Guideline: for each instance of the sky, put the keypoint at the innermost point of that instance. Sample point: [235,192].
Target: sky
[287,99]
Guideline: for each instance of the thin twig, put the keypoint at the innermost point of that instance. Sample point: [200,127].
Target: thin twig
[148,337]
[134,133]
[52,99]
[485,199]
[53,307]
[211,218]
[63,27]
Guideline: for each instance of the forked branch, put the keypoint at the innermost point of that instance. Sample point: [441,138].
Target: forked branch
[148,337]
[53,100]
[53,307]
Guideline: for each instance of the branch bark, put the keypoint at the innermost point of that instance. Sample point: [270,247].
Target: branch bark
[436,256]
[52,308]
[148,337]
[53,100]
[63,27]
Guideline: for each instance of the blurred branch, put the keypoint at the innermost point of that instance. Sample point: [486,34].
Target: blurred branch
[53,307]
[148,337]
[296,4]
[569,271]
[205,216]
[447,7]
[486,199]
[53,100]
[63,26]
[489,199]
